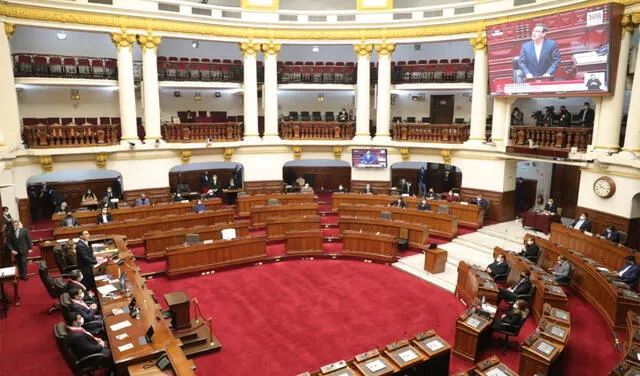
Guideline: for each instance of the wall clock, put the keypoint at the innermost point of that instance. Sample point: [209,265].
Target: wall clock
[604,187]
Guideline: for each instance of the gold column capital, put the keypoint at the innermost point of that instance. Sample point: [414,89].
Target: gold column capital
[270,48]
[337,152]
[297,152]
[123,40]
[635,18]
[446,156]
[46,163]
[385,48]
[479,42]
[629,22]
[9,29]
[101,160]
[249,48]
[149,41]
[228,153]
[363,49]
[406,153]
[185,156]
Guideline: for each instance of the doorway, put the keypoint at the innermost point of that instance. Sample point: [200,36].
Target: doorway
[441,110]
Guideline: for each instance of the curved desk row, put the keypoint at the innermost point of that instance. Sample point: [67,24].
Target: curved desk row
[135,229]
[630,364]
[443,225]
[304,243]
[468,215]
[88,217]
[156,242]
[259,214]
[246,202]
[277,227]
[369,245]
[215,254]
[417,234]
[474,283]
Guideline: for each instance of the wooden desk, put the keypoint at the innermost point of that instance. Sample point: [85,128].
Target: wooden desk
[304,243]
[633,331]
[625,368]
[371,363]
[180,365]
[277,227]
[218,253]
[88,217]
[155,242]
[467,215]
[539,221]
[246,202]
[135,229]
[9,274]
[443,225]
[539,356]
[602,251]
[405,357]
[475,283]
[472,335]
[259,214]
[436,350]
[554,331]
[435,260]
[556,315]
[418,233]
[491,366]
[369,245]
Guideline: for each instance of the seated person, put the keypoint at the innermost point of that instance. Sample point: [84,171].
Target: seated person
[76,281]
[182,188]
[69,220]
[341,189]
[177,197]
[453,196]
[107,203]
[232,184]
[399,203]
[110,194]
[199,207]
[424,205]
[306,188]
[431,195]
[63,208]
[214,184]
[368,189]
[300,181]
[611,234]
[89,196]
[142,201]
[561,269]
[550,207]
[88,311]
[81,342]
[481,202]
[515,316]
[403,187]
[104,216]
[523,286]
[498,267]
[539,205]
[531,251]
[582,224]
[630,272]
[209,195]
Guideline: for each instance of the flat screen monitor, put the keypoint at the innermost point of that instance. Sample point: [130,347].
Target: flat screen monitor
[369,158]
[572,53]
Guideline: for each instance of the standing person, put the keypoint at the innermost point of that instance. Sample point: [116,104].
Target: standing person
[565,117]
[7,221]
[593,83]
[520,204]
[44,201]
[586,115]
[20,245]
[86,259]
[539,57]
[343,115]
[142,201]
[517,117]
[422,181]
[205,182]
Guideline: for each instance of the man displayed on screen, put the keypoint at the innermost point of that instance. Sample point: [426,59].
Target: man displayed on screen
[539,57]
[593,83]
[368,158]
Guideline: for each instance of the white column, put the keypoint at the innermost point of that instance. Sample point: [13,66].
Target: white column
[479,92]
[497,127]
[10,119]
[383,101]
[127,95]
[606,136]
[249,51]
[270,52]
[632,135]
[149,44]
[363,92]
[506,131]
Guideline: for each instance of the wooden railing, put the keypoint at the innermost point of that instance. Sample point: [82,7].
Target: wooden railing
[551,137]
[201,132]
[442,133]
[316,130]
[70,135]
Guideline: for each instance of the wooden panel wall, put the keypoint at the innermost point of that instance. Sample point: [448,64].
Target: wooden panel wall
[381,187]
[600,220]
[24,212]
[564,188]
[193,178]
[501,204]
[328,178]
[437,177]
[156,195]
[263,186]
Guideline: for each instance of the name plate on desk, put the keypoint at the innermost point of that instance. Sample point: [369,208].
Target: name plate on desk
[376,365]
[544,347]
[333,366]
[407,355]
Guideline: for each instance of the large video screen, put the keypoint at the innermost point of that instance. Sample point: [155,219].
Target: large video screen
[369,158]
[568,53]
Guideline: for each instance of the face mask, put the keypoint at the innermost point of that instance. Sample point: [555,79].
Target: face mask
[515,306]
[498,260]
[81,296]
[80,321]
[582,217]
[529,243]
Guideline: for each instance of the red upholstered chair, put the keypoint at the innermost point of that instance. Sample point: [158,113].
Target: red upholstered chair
[308,63]
[92,120]
[79,120]
[173,58]
[215,69]
[444,61]
[66,121]
[170,71]
[285,73]
[422,62]
[338,74]
[340,64]
[227,73]
[97,68]
[111,68]
[182,71]
[327,74]
[205,60]
[319,63]
[69,67]
[455,61]
[298,63]
[84,68]
[296,76]
[194,71]
[194,60]
[162,70]
[40,65]
[433,61]
[205,73]
[288,63]
[349,73]
[465,60]
[307,73]
[53,120]
[317,74]
[412,62]
[470,73]
[115,120]
[162,58]
[185,59]
[237,62]
[216,61]
[25,64]
[29,121]
[55,66]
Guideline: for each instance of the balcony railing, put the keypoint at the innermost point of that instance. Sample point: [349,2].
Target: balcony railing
[203,132]
[440,133]
[70,135]
[552,138]
[433,71]
[315,130]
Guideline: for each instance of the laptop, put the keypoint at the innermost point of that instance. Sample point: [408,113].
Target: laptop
[146,338]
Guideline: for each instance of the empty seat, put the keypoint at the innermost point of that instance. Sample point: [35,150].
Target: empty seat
[110,68]
[328,116]
[25,64]
[97,68]
[55,65]
[205,74]
[411,119]
[304,116]
[69,66]
[40,65]
[105,120]
[317,116]
[184,59]
[84,67]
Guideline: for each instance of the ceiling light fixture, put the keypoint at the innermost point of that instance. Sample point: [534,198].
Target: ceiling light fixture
[195,44]
[61,35]
[315,49]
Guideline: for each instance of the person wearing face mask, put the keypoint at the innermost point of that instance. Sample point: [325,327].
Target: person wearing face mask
[76,282]
[523,286]
[498,267]
[341,189]
[424,205]
[88,310]
[104,216]
[199,207]
[453,196]
[630,272]
[531,251]
[561,270]
[431,195]
[540,205]
[86,259]
[69,220]
[582,224]
[551,207]
[368,189]
[611,234]
[82,343]
[515,316]
[481,202]
[399,203]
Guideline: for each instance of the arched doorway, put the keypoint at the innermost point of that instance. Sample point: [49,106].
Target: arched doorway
[441,177]
[188,177]
[321,174]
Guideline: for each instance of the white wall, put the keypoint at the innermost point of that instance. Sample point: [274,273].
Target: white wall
[229,101]
[539,171]
[619,204]
[487,174]
[50,101]
[307,100]
[406,106]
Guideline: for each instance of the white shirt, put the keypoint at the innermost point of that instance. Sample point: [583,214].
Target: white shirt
[578,224]
[104,218]
[620,273]
[538,48]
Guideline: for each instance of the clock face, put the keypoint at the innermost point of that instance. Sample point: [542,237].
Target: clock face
[604,187]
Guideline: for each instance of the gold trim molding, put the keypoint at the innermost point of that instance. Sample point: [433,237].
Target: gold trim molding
[46,163]
[478,42]
[185,156]
[228,153]
[297,152]
[360,5]
[149,41]
[246,5]
[446,156]
[101,160]
[405,153]
[337,152]
[9,29]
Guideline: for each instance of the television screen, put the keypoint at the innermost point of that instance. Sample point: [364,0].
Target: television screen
[567,53]
[369,158]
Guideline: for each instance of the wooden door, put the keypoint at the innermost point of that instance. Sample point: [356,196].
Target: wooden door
[529,188]
[441,109]
[565,181]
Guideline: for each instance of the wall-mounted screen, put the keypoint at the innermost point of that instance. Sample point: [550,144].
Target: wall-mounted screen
[369,158]
[567,53]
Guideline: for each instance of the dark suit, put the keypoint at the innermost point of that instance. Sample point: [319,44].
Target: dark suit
[432,196]
[369,190]
[341,190]
[403,188]
[584,226]
[630,277]
[101,220]
[551,208]
[400,204]
[586,120]
[82,343]
[22,244]
[88,314]
[549,58]
[613,236]
[531,252]
[497,268]
[204,183]
[86,262]
[565,119]
[523,286]
[512,317]
[71,284]
[69,222]
[424,206]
